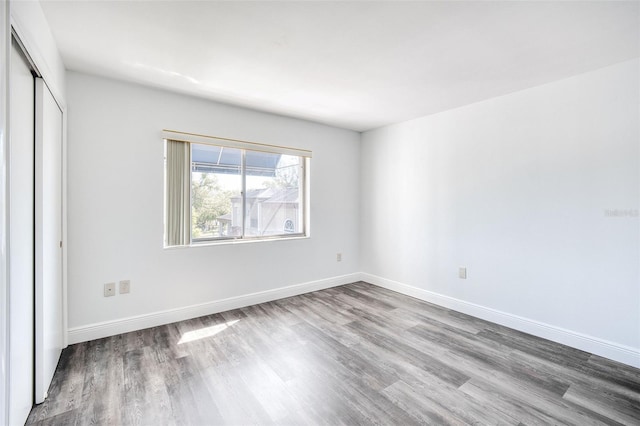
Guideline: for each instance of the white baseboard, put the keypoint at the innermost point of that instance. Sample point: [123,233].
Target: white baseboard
[140,322]
[614,351]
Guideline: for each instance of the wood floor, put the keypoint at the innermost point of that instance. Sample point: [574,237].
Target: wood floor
[355,354]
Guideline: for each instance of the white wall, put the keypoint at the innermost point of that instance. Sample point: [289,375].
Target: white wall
[516,188]
[115,202]
[29,22]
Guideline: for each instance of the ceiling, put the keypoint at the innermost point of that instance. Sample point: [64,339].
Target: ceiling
[351,64]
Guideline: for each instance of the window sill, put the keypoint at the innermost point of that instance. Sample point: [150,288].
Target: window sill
[236,241]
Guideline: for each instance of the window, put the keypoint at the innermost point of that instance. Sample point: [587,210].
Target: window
[221,189]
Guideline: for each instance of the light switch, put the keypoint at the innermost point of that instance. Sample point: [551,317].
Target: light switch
[462,272]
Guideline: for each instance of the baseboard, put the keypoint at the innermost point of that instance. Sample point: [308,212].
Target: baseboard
[614,351]
[140,322]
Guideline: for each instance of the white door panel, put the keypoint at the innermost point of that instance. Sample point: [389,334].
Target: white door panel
[21,239]
[48,289]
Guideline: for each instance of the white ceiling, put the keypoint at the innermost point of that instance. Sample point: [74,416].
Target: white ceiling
[352,64]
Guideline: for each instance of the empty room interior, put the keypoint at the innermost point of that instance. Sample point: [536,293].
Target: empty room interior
[314,212]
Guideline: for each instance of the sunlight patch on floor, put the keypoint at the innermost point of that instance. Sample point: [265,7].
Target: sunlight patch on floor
[203,333]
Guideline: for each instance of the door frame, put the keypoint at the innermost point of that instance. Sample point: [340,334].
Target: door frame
[5,40]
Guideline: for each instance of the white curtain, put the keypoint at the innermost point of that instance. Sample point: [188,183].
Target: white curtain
[178,196]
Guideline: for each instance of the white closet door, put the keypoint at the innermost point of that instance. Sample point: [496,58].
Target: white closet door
[48,287]
[21,238]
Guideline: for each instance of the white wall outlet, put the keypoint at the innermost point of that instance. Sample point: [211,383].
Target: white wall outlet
[109,289]
[125,286]
[462,272]
[338,257]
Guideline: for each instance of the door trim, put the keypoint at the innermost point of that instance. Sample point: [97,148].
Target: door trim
[5,40]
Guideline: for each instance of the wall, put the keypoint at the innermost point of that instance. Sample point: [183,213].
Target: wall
[520,189]
[28,20]
[115,211]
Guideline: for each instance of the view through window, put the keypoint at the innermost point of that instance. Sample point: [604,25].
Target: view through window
[240,193]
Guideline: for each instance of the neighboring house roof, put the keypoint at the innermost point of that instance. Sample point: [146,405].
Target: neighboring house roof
[225,218]
[286,195]
[266,195]
[271,195]
[255,194]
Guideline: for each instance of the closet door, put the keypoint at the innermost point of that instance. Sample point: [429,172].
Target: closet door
[48,293]
[21,238]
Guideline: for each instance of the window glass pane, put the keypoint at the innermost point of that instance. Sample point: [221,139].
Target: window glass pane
[216,185]
[274,194]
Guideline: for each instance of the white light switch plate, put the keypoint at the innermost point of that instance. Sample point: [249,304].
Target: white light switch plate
[462,273]
[125,286]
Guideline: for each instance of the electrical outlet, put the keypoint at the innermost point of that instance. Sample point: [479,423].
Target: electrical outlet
[462,272]
[125,286]
[109,289]
[338,257]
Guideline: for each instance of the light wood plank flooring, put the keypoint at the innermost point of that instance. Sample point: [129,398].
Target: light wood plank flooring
[355,354]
